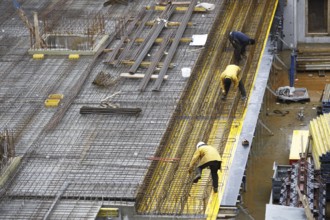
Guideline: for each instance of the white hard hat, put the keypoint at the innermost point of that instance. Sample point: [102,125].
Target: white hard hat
[201,143]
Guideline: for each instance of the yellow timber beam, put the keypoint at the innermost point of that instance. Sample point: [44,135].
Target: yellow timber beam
[108,213]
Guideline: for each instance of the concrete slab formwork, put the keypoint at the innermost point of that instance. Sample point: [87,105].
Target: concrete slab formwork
[97,157]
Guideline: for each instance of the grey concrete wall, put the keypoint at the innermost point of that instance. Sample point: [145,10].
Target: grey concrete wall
[288,23]
[294,26]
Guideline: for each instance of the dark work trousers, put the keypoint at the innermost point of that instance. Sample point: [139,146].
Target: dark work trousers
[227,83]
[214,167]
[239,49]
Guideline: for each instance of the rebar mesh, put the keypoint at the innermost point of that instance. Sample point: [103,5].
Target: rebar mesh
[100,158]
[73,164]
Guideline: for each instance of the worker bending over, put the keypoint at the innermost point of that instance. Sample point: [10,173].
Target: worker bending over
[239,41]
[231,74]
[209,157]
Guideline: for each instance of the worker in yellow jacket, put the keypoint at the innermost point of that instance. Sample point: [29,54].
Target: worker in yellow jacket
[209,157]
[231,74]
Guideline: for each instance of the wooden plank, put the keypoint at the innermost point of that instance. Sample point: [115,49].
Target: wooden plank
[303,199]
[298,144]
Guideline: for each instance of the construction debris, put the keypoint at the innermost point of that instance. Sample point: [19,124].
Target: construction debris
[107,103]
[164,2]
[108,107]
[104,79]
[207,6]
[112,2]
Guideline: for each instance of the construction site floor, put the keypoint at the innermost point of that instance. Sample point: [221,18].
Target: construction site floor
[267,148]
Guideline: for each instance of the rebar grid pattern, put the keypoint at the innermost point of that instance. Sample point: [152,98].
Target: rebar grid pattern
[38,208]
[154,199]
[101,158]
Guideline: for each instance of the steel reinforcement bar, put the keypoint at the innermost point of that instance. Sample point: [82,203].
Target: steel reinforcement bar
[167,188]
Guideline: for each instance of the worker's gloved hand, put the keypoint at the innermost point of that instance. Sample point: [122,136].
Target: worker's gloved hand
[223,91]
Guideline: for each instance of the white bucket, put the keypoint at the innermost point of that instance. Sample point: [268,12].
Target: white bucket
[186,72]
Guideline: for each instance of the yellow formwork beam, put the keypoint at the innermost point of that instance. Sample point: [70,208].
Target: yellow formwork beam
[38,56]
[108,212]
[56,96]
[319,129]
[52,102]
[74,56]
[327,128]
[322,134]
[213,206]
[162,8]
[316,143]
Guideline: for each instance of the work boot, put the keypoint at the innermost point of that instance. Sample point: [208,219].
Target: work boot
[243,98]
[197,177]
[223,97]
[215,190]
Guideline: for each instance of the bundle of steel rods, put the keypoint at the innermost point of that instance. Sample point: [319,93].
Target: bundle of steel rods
[107,111]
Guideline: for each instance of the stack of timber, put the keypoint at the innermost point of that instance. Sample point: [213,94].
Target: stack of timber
[319,129]
[313,57]
[320,141]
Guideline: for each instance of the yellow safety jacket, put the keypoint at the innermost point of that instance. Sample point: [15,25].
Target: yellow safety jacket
[205,153]
[231,72]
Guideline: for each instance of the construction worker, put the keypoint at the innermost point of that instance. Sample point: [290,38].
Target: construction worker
[239,41]
[227,77]
[209,157]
